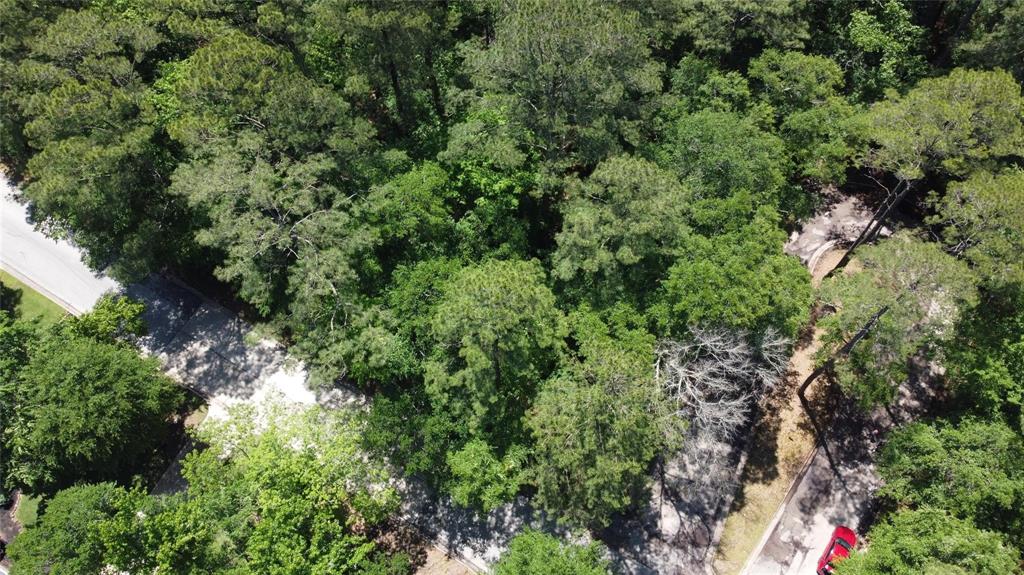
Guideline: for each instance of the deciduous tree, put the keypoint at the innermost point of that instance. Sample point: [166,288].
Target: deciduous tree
[85,410]
[931,541]
[969,468]
[67,536]
[720,154]
[916,293]
[738,280]
[714,377]
[536,553]
[793,81]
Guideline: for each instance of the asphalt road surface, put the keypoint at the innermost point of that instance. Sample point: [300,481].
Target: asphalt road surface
[52,267]
[823,499]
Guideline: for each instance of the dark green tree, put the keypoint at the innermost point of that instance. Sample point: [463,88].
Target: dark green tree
[991,36]
[721,155]
[496,334]
[882,46]
[700,85]
[599,422]
[99,169]
[792,81]
[825,139]
[985,361]
[394,59]
[67,537]
[622,226]
[718,28]
[572,75]
[982,219]
[16,339]
[85,410]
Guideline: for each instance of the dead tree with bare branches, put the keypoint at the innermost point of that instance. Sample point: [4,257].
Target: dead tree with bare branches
[715,376]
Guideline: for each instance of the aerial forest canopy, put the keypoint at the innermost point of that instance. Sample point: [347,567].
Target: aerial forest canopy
[497,217]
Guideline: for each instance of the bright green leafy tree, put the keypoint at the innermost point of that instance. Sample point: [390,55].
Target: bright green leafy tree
[67,537]
[740,280]
[536,553]
[969,468]
[85,410]
[932,542]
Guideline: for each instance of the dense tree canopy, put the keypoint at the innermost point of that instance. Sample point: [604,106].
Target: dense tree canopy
[66,538]
[983,219]
[496,331]
[739,280]
[971,469]
[598,422]
[285,501]
[570,75]
[100,171]
[621,228]
[533,553]
[949,124]
[544,236]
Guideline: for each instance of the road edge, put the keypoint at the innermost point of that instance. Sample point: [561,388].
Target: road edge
[7,267]
[790,491]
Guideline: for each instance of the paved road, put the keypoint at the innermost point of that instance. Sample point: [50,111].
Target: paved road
[823,499]
[52,267]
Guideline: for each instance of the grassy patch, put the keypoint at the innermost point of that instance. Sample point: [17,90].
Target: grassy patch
[28,303]
[28,511]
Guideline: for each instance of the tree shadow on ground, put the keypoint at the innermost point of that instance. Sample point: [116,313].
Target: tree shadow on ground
[10,299]
[396,537]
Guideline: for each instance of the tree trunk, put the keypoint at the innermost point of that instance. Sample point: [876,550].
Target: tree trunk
[435,90]
[396,85]
[871,231]
[819,432]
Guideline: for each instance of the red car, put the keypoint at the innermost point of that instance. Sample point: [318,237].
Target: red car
[839,547]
